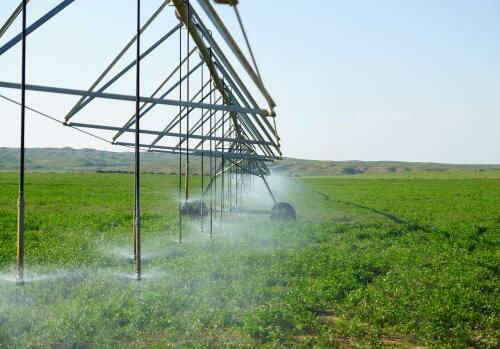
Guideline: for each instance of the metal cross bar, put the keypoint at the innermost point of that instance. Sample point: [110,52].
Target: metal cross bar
[184,12]
[131,121]
[217,154]
[235,164]
[226,90]
[225,168]
[249,148]
[243,135]
[249,125]
[236,90]
[244,119]
[198,125]
[228,132]
[170,134]
[213,129]
[115,137]
[122,97]
[178,118]
[231,155]
[218,124]
[213,45]
[220,54]
[218,172]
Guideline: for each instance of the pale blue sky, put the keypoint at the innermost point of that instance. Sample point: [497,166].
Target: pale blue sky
[365,80]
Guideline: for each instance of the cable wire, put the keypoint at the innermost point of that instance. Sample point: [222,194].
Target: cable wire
[56,120]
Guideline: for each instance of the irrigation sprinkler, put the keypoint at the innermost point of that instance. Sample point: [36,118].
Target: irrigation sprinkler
[233,131]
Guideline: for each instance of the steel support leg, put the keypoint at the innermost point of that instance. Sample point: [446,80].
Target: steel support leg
[180,135]
[137,217]
[186,185]
[20,201]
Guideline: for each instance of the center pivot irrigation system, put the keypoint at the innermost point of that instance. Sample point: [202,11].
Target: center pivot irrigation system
[214,116]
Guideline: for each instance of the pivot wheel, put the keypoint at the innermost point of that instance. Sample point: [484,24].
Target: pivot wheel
[194,209]
[282,211]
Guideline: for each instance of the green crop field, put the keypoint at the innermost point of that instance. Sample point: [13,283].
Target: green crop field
[372,261]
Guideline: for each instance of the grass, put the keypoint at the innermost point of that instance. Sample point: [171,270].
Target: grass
[371,262]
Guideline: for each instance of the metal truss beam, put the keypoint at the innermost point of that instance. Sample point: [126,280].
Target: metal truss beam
[228,38]
[232,73]
[124,71]
[37,24]
[184,11]
[235,89]
[115,137]
[175,122]
[201,122]
[236,164]
[120,55]
[239,84]
[131,121]
[12,18]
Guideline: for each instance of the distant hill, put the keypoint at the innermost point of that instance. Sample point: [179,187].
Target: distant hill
[91,160]
[69,159]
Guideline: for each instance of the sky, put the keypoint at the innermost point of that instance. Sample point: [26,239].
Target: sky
[353,80]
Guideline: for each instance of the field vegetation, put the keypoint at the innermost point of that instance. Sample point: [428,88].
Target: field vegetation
[372,261]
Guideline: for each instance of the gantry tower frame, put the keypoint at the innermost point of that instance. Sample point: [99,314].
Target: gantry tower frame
[235,134]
